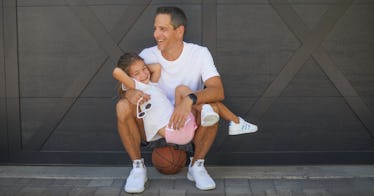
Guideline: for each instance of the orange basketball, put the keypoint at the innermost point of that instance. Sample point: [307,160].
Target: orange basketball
[168,160]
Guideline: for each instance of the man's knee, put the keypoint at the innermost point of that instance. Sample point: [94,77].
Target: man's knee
[215,106]
[206,132]
[123,109]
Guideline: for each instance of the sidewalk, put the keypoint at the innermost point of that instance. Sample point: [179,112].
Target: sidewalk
[355,180]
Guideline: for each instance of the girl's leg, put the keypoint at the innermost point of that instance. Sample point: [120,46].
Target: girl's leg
[161,132]
[180,92]
[225,113]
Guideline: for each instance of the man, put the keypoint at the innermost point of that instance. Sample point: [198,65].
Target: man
[182,64]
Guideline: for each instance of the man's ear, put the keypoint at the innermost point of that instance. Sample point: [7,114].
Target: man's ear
[180,31]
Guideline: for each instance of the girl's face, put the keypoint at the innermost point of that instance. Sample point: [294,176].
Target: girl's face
[139,71]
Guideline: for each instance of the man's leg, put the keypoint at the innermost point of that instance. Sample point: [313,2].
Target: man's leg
[204,137]
[131,138]
[203,140]
[128,129]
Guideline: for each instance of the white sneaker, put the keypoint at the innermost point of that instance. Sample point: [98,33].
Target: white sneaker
[198,173]
[138,177]
[241,128]
[208,116]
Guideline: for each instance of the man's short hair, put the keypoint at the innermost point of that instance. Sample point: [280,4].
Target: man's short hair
[178,17]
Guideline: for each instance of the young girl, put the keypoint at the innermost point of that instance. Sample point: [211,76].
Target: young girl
[134,74]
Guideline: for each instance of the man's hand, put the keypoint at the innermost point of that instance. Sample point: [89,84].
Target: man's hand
[180,114]
[133,95]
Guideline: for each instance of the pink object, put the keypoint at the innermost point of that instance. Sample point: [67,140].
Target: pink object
[183,135]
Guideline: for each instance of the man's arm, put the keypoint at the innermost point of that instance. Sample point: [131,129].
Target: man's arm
[155,70]
[212,93]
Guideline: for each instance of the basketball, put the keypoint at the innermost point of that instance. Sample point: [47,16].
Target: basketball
[168,160]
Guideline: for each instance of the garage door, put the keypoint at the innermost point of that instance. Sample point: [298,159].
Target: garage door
[302,71]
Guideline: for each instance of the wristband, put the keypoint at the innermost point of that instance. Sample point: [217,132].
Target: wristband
[193,97]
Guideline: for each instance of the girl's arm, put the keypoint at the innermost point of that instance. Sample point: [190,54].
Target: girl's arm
[122,77]
[155,70]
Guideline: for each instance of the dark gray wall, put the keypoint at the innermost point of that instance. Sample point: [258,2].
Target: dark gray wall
[302,70]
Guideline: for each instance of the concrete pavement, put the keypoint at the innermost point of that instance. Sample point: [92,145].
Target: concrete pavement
[354,180]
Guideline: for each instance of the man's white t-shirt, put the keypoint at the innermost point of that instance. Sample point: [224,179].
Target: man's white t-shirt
[193,67]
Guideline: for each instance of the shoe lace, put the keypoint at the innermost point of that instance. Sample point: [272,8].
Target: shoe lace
[136,171]
[246,126]
[137,164]
[201,169]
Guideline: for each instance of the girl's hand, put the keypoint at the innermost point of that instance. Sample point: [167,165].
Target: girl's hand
[180,114]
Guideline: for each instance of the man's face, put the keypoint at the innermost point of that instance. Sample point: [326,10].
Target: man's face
[164,33]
